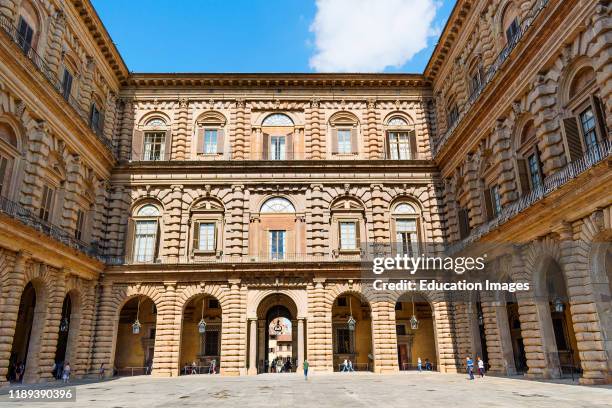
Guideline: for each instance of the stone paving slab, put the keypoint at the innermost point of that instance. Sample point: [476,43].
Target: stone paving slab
[328,390]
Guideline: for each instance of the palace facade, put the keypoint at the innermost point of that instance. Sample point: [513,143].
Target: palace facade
[165,224]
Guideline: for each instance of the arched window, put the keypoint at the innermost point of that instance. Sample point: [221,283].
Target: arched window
[210,134]
[207,227]
[151,140]
[406,223]
[8,158]
[400,139]
[277,205]
[344,127]
[277,119]
[510,23]
[585,126]
[452,113]
[28,27]
[528,166]
[96,117]
[144,234]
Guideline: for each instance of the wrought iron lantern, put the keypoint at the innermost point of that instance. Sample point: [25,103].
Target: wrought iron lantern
[351,320]
[277,327]
[558,305]
[414,322]
[480,319]
[64,324]
[136,325]
[202,323]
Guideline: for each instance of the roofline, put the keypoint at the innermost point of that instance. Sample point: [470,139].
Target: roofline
[313,75]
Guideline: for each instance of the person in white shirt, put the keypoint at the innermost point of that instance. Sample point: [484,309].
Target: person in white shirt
[481,367]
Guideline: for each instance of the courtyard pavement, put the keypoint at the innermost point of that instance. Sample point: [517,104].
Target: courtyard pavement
[327,390]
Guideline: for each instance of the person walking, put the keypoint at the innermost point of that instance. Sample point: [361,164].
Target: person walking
[66,372]
[345,365]
[305,365]
[419,365]
[350,366]
[101,372]
[481,368]
[470,367]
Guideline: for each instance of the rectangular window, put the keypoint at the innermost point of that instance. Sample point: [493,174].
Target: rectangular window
[210,141]
[277,148]
[512,31]
[26,33]
[344,141]
[406,235]
[344,342]
[399,145]
[495,200]
[348,235]
[464,222]
[145,240]
[3,171]
[453,116]
[94,120]
[206,236]
[66,84]
[154,146]
[277,244]
[587,123]
[211,343]
[80,222]
[533,162]
[46,203]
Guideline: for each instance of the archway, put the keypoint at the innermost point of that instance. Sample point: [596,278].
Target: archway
[135,347]
[21,355]
[200,351]
[277,340]
[352,332]
[516,337]
[414,327]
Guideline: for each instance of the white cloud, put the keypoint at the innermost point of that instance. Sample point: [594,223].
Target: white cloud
[370,35]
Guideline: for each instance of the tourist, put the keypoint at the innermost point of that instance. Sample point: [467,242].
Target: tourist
[470,367]
[306,369]
[273,366]
[350,366]
[101,372]
[19,369]
[427,365]
[481,367]
[66,372]
[194,367]
[345,365]
[419,364]
[213,366]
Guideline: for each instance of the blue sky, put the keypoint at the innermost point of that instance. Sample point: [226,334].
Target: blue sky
[275,35]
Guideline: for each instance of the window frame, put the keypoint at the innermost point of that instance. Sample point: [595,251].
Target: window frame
[357,244]
[157,237]
[347,144]
[400,216]
[47,203]
[162,145]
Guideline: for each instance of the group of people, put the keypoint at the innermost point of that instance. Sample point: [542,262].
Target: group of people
[279,366]
[428,365]
[61,371]
[347,366]
[195,369]
[15,372]
[470,367]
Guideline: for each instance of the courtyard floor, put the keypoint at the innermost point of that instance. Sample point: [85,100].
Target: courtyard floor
[327,390]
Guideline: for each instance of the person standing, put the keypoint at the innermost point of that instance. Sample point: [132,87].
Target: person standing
[66,372]
[350,366]
[305,369]
[345,365]
[419,364]
[101,372]
[481,367]
[470,367]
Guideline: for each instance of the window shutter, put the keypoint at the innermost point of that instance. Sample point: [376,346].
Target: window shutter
[387,143]
[101,122]
[354,142]
[168,145]
[464,223]
[129,240]
[289,141]
[216,232]
[334,141]
[220,140]
[572,138]
[488,197]
[265,146]
[137,145]
[3,165]
[200,141]
[357,235]
[598,109]
[523,177]
[413,145]
[158,240]
[196,236]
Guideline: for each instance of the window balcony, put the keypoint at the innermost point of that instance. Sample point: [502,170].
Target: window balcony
[491,72]
[41,66]
[27,217]
[590,159]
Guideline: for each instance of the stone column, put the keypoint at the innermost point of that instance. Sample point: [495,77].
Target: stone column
[233,340]
[384,337]
[499,341]
[252,346]
[11,290]
[53,54]
[39,145]
[319,340]
[447,349]
[79,356]
[179,152]
[167,334]
[104,334]
[85,94]
[300,343]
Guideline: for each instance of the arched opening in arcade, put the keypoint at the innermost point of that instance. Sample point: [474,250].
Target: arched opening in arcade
[516,337]
[414,328]
[601,270]
[67,334]
[352,333]
[477,324]
[201,336]
[277,339]
[135,347]
[30,321]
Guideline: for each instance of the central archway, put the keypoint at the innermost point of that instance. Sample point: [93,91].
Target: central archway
[277,340]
